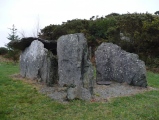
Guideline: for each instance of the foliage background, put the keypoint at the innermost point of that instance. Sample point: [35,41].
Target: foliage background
[140,30]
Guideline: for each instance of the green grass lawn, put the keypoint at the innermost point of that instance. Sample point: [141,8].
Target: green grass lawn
[21,101]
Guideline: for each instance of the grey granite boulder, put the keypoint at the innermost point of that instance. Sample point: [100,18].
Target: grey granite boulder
[36,62]
[115,64]
[74,66]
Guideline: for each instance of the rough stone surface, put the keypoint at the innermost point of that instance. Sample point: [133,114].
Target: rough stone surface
[103,82]
[85,94]
[74,66]
[78,92]
[114,64]
[25,42]
[36,62]
[72,93]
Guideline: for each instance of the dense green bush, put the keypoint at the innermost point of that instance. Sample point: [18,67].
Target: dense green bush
[3,50]
[142,29]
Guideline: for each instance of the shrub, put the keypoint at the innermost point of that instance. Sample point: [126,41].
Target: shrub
[3,50]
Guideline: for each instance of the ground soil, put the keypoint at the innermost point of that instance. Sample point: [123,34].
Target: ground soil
[102,93]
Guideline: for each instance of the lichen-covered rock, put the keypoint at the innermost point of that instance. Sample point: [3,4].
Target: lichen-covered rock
[74,66]
[112,63]
[36,62]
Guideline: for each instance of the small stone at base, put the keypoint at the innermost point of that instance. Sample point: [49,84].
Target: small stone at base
[104,82]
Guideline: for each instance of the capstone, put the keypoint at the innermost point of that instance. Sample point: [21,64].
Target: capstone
[26,42]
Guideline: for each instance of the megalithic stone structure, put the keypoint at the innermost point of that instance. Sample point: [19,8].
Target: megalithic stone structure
[74,67]
[36,62]
[115,64]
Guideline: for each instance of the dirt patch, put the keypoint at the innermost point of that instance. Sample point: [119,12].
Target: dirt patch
[105,92]
[101,92]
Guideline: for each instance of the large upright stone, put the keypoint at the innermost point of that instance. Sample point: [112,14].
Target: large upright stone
[115,64]
[36,62]
[74,66]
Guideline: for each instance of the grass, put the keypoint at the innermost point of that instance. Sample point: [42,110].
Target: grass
[21,101]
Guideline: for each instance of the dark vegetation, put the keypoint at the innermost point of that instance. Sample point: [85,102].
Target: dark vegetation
[3,51]
[136,33]
[139,30]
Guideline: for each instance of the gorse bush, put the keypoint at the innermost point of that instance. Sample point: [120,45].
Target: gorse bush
[3,51]
[140,29]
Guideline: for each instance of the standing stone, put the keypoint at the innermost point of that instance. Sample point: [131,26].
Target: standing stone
[74,66]
[36,62]
[115,64]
